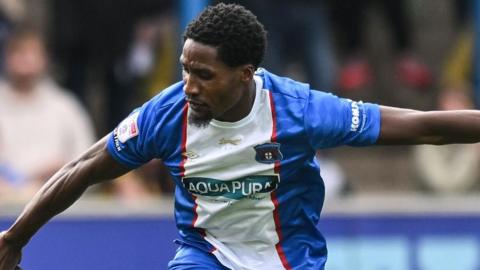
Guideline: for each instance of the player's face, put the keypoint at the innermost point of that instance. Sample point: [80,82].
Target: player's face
[213,89]
[25,60]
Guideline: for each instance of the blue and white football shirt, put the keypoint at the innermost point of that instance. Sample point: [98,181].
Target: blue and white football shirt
[249,192]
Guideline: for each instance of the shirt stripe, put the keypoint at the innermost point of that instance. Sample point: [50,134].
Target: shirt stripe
[184,140]
[184,159]
[276,216]
[182,171]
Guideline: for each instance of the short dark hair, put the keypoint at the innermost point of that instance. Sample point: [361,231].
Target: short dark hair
[22,33]
[235,31]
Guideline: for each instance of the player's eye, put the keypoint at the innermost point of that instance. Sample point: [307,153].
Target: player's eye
[205,75]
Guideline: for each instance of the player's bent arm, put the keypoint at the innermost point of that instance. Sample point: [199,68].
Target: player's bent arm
[63,189]
[404,126]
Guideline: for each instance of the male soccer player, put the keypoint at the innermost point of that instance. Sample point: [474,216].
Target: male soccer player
[240,143]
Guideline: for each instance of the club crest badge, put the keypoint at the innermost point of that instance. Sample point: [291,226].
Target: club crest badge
[268,153]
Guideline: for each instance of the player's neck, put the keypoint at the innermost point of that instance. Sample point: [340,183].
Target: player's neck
[23,88]
[243,106]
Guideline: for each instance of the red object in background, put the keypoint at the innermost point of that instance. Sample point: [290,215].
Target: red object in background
[413,73]
[354,75]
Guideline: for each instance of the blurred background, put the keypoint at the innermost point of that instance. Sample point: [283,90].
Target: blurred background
[72,70]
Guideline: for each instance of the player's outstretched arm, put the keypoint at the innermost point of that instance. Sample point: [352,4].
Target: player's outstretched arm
[58,193]
[9,254]
[403,126]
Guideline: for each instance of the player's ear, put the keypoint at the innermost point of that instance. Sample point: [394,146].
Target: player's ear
[247,72]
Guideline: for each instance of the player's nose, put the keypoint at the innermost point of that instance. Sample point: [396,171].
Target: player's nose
[190,87]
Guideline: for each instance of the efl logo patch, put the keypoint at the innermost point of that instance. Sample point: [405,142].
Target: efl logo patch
[128,128]
[268,153]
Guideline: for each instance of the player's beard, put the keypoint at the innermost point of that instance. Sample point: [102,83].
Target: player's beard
[200,119]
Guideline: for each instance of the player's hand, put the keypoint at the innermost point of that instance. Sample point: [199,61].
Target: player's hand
[10,255]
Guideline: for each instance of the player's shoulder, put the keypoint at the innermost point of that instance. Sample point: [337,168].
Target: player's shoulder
[283,86]
[292,91]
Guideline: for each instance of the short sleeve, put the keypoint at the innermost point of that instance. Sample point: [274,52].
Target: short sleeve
[132,142]
[332,121]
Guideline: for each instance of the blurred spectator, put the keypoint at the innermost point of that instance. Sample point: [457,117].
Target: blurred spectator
[152,58]
[451,168]
[356,72]
[93,52]
[41,126]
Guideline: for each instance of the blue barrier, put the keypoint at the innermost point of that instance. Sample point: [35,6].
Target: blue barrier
[355,242]
[414,242]
[93,243]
